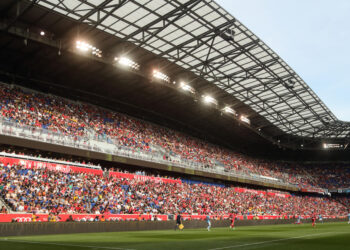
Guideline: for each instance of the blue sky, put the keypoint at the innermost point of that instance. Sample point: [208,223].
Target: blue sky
[312,36]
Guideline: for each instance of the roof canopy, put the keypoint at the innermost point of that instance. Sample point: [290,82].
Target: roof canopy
[202,37]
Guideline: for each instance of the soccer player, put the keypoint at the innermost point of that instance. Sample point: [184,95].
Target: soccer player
[320,218]
[313,219]
[178,221]
[349,217]
[233,217]
[208,221]
[299,219]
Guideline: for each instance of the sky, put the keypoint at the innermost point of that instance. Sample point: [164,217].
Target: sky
[312,36]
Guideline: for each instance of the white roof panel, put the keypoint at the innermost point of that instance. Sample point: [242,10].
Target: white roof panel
[202,32]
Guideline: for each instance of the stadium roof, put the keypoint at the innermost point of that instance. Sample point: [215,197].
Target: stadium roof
[202,37]
[196,42]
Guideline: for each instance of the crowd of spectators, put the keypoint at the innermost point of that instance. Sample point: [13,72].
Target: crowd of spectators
[331,176]
[78,120]
[47,191]
[344,200]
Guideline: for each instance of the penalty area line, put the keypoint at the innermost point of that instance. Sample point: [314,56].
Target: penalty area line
[61,244]
[268,241]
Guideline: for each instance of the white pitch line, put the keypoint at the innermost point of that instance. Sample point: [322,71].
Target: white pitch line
[61,244]
[269,241]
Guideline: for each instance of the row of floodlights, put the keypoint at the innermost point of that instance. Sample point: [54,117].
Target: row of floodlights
[332,145]
[86,47]
[207,99]
[210,100]
[122,61]
[161,76]
[187,88]
[126,62]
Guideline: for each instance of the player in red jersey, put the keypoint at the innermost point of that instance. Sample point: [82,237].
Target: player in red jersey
[313,219]
[233,217]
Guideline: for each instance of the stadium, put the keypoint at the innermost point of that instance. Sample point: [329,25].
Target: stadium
[156,124]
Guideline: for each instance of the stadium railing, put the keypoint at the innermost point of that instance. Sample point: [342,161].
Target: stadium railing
[32,158]
[108,145]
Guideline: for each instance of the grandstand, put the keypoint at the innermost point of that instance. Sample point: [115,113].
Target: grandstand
[125,111]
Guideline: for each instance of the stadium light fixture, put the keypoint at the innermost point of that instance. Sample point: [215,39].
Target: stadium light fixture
[228,34]
[85,47]
[124,61]
[245,119]
[229,110]
[161,76]
[290,84]
[42,33]
[187,87]
[332,146]
[210,100]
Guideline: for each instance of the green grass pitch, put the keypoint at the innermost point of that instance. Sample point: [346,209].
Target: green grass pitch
[325,236]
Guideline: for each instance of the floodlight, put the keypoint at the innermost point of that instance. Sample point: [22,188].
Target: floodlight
[228,34]
[42,33]
[161,76]
[208,99]
[127,62]
[290,84]
[245,119]
[227,109]
[186,87]
[82,46]
[332,145]
[85,47]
